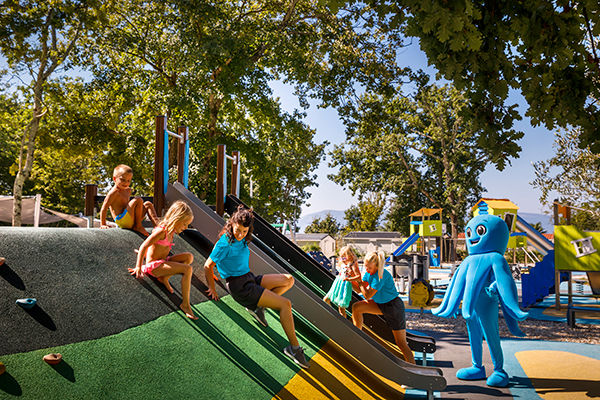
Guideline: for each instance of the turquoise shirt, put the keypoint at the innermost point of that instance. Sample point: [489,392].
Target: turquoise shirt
[386,290]
[232,259]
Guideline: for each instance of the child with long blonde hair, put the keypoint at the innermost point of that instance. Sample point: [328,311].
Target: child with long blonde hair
[159,264]
[381,297]
[340,292]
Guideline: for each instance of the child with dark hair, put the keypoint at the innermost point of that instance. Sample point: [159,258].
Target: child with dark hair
[231,257]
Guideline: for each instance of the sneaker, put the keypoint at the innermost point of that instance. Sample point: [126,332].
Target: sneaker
[259,315]
[298,356]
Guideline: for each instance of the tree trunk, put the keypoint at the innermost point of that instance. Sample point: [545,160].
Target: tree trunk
[26,155]
[453,238]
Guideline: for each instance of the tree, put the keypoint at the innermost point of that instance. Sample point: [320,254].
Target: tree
[39,38]
[366,215]
[327,225]
[11,121]
[404,203]
[208,65]
[572,173]
[538,227]
[549,50]
[424,145]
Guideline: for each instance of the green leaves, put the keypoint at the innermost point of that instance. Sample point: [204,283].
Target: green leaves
[429,148]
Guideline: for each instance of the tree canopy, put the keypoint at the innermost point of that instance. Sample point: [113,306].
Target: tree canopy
[328,225]
[424,146]
[203,64]
[547,50]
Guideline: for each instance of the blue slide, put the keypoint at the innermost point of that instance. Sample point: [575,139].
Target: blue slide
[540,281]
[404,246]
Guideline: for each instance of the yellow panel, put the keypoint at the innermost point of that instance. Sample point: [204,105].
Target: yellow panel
[564,251]
[335,374]
[557,375]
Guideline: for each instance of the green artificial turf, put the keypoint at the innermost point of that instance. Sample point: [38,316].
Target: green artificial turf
[223,355]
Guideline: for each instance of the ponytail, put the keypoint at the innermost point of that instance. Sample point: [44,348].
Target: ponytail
[379,258]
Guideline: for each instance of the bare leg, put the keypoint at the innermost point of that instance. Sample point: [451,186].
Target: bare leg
[277,302]
[171,268]
[184,258]
[363,307]
[136,206]
[342,311]
[326,300]
[149,209]
[277,283]
[400,337]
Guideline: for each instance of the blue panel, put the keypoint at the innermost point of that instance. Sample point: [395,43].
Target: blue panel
[186,164]
[166,163]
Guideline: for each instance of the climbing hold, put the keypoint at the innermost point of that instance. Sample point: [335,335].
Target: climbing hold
[26,303]
[2,368]
[53,358]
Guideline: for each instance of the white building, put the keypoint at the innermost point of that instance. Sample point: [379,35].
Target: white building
[365,242]
[323,240]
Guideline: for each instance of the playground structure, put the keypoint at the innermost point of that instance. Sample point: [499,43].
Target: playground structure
[429,233]
[376,350]
[575,250]
[161,168]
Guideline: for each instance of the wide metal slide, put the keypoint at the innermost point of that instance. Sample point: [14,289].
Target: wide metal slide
[321,279]
[366,349]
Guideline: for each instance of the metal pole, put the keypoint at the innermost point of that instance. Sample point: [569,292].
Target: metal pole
[221,183]
[235,174]
[181,155]
[36,210]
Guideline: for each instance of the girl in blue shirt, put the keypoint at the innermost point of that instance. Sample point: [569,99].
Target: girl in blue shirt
[231,257]
[382,298]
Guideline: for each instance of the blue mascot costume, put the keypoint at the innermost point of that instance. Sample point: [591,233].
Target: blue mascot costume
[481,281]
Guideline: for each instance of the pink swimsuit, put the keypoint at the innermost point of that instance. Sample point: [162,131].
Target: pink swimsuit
[152,265]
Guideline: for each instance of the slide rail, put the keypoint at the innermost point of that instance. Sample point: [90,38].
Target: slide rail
[311,306]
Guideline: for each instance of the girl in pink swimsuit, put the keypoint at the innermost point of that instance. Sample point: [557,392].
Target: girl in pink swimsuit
[159,264]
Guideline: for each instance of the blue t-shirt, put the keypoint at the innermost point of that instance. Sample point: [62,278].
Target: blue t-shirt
[232,259]
[386,290]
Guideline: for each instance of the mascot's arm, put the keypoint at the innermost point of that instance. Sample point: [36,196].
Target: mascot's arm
[507,290]
[513,324]
[454,293]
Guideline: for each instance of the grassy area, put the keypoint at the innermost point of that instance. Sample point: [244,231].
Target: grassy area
[224,354]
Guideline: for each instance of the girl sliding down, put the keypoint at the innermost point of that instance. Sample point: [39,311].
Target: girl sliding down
[156,251]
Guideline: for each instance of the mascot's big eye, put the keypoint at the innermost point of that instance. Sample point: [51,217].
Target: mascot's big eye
[481,230]
[468,232]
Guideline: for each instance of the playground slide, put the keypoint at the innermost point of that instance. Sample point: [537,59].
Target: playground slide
[307,303]
[406,244]
[273,242]
[535,238]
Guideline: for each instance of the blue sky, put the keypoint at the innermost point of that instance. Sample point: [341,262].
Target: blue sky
[511,183]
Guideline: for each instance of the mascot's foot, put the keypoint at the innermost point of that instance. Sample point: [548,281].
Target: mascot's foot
[498,379]
[471,373]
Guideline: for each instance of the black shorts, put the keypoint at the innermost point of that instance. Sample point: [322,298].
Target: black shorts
[245,289]
[393,312]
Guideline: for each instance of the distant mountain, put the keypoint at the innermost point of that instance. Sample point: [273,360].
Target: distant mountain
[531,219]
[307,219]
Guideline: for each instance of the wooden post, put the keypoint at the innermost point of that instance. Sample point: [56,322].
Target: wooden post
[91,191]
[183,131]
[555,209]
[159,148]
[235,174]
[221,182]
